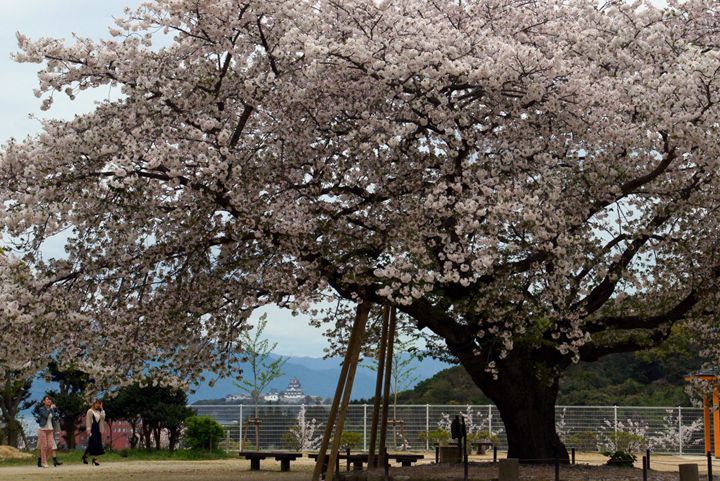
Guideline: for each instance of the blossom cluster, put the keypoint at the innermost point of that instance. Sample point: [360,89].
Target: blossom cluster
[505,169]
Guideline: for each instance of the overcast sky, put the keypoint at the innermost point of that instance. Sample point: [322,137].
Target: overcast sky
[91,18]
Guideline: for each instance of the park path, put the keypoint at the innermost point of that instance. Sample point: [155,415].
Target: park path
[225,470]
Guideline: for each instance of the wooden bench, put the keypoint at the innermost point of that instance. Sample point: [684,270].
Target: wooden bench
[357,460]
[406,459]
[481,447]
[256,456]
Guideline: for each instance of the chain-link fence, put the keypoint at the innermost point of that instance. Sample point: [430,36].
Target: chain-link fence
[676,430]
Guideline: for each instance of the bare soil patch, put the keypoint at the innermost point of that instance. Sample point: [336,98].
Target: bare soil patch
[664,469]
[223,470]
[489,471]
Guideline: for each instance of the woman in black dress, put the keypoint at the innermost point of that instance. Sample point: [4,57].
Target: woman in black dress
[95,425]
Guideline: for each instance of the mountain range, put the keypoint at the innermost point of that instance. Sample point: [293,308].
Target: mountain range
[317,376]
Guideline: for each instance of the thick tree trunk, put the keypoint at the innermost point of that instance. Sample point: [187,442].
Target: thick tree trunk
[13,429]
[174,435]
[156,435]
[525,393]
[69,426]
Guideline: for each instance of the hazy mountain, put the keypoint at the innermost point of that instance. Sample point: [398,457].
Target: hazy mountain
[318,378]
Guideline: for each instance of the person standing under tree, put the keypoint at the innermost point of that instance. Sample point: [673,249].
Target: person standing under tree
[48,417]
[95,425]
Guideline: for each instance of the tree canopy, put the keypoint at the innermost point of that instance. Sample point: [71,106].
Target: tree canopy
[535,182]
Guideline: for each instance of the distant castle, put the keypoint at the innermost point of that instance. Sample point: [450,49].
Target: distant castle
[293,394]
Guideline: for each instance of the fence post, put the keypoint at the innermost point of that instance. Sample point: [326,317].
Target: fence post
[680,429]
[427,427]
[709,466]
[615,416]
[645,473]
[490,431]
[240,423]
[364,427]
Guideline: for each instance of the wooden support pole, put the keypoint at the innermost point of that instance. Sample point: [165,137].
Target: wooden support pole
[706,420]
[361,320]
[372,461]
[388,374]
[355,336]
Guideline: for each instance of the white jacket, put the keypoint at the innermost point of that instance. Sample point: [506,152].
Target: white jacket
[89,420]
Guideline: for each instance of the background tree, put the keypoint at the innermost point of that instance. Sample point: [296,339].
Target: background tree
[24,311]
[124,404]
[15,388]
[70,399]
[162,408]
[402,376]
[150,408]
[265,367]
[203,432]
[534,183]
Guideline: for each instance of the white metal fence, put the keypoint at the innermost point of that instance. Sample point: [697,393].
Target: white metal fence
[675,430]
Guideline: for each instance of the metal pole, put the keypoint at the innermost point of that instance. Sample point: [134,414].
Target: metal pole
[490,431]
[465,453]
[427,427]
[645,474]
[615,416]
[364,427]
[680,429]
[240,422]
[572,455]
[647,455]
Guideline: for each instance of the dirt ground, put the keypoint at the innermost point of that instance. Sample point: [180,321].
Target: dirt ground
[664,468]
[224,470]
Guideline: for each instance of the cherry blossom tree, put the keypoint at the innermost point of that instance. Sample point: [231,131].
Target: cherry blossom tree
[533,182]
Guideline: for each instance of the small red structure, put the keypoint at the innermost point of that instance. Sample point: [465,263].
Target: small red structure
[712,378]
[117,437]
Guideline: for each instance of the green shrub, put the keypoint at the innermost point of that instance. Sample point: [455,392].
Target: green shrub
[124,453]
[583,441]
[620,459]
[290,439]
[435,436]
[625,442]
[351,440]
[483,436]
[202,432]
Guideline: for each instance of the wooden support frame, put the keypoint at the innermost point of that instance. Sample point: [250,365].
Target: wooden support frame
[252,421]
[343,390]
[372,459]
[386,388]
